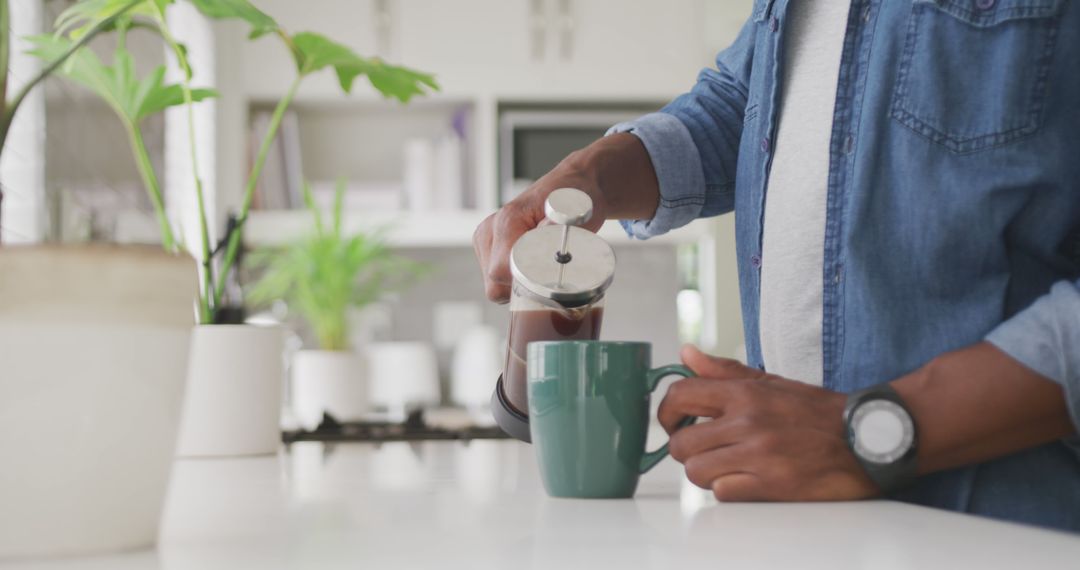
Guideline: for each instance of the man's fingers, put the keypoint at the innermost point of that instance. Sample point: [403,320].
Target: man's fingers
[508,225]
[704,468]
[481,241]
[703,436]
[714,366]
[739,487]
[691,397]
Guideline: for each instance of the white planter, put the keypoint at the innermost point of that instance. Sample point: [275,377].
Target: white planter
[403,376]
[328,381]
[93,356]
[478,357]
[232,406]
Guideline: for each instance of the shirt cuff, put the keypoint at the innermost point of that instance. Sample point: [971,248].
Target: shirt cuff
[678,169]
[1044,338]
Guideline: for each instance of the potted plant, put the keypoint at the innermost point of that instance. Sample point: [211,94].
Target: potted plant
[94,345]
[320,278]
[232,402]
[94,339]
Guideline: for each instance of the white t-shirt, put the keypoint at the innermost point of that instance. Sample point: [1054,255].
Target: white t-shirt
[793,246]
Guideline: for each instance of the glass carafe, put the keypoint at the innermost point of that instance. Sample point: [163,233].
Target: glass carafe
[561,272]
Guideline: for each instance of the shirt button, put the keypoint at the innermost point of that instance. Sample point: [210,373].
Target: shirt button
[765,144]
[755,260]
[866,13]
[774,23]
[985,4]
[849,144]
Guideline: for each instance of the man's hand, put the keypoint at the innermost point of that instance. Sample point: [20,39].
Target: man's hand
[615,172]
[498,233]
[761,437]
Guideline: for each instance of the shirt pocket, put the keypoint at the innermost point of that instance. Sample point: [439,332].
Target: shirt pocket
[973,73]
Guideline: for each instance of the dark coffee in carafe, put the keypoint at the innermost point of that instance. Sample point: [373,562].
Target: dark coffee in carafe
[582,323]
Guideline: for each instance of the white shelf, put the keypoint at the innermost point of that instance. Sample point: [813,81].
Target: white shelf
[404,229]
[426,229]
[367,100]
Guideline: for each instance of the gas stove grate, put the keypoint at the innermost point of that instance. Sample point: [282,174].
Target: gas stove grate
[412,429]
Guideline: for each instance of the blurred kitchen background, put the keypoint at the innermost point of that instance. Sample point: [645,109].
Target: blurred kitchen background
[524,82]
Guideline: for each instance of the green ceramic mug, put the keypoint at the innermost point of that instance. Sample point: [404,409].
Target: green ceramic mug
[589,415]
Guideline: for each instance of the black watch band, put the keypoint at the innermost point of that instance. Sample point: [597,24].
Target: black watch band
[899,472]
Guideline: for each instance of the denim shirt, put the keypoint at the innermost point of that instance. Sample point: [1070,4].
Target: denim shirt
[953,209]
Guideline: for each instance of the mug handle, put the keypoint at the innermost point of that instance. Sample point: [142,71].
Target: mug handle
[652,378]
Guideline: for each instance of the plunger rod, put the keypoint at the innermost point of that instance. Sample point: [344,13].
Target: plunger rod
[563,256]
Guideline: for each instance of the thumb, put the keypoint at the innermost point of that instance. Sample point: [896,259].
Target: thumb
[714,366]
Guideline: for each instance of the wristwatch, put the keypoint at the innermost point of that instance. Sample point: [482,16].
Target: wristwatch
[882,435]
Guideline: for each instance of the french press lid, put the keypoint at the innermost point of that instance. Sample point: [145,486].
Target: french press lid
[561,261]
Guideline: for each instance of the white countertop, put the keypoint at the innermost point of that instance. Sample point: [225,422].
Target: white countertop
[480,506]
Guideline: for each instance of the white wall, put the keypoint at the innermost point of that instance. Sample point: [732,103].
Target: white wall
[22,167]
[723,20]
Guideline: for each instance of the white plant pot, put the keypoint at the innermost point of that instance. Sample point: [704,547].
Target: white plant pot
[232,406]
[93,356]
[328,381]
[403,376]
[478,357]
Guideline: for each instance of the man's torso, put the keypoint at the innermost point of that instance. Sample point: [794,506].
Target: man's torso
[951,202]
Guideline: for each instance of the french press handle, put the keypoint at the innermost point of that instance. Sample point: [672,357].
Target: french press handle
[568,207]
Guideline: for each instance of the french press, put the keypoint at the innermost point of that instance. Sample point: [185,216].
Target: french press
[560,273]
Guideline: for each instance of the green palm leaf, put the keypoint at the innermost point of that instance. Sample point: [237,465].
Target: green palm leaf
[261,23]
[81,16]
[314,52]
[133,99]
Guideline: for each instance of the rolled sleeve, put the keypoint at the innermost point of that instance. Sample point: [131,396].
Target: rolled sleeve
[678,169]
[693,142]
[1045,337]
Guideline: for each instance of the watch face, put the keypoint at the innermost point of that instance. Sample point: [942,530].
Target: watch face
[883,431]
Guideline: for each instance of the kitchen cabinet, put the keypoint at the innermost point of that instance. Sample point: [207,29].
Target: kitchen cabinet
[638,47]
[593,49]
[471,45]
[564,48]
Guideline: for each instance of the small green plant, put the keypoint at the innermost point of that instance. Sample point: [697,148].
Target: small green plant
[321,276]
[310,52]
